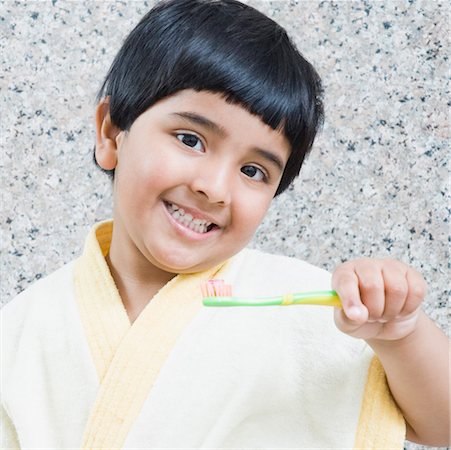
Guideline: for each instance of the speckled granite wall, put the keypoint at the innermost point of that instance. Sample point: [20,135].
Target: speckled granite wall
[376,184]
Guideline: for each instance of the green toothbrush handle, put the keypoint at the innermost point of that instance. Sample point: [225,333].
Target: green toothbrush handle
[324,298]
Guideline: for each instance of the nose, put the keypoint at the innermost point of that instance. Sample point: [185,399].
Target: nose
[213,183]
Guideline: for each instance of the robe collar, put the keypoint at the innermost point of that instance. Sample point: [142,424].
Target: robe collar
[128,357]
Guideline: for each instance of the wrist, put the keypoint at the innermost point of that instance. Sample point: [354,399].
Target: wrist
[407,338]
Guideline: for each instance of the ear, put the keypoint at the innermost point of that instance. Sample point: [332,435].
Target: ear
[106,137]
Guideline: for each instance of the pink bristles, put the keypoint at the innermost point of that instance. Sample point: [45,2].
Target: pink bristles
[216,288]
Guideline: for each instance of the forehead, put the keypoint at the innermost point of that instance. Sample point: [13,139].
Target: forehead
[227,120]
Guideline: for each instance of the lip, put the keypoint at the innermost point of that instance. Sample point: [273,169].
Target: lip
[188,232]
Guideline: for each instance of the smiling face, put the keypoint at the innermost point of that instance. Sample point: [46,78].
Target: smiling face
[194,177]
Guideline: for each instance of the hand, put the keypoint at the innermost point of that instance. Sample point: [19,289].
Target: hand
[381,298]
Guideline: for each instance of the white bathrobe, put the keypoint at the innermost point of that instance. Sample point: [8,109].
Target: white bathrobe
[77,375]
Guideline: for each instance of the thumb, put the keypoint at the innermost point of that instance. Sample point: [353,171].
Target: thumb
[352,320]
[353,312]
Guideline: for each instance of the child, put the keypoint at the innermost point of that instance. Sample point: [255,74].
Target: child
[205,115]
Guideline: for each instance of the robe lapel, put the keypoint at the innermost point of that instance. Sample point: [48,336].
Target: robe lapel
[127,357]
[103,315]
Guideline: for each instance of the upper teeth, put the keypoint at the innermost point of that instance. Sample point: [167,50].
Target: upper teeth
[199,225]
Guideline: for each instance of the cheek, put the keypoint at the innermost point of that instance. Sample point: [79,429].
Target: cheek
[144,172]
[251,216]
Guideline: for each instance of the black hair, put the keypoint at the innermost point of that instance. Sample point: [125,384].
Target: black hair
[221,46]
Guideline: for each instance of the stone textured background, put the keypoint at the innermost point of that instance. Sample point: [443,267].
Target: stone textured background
[376,183]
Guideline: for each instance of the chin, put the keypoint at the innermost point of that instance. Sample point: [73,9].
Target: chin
[180,264]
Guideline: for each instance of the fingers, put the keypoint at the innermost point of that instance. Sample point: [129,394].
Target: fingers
[395,288]
[377,290]
[346,283]
[371,287]
[417,289]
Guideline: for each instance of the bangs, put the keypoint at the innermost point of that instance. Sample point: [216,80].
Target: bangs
[223,47]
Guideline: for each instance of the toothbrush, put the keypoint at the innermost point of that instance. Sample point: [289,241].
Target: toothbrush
[218,293]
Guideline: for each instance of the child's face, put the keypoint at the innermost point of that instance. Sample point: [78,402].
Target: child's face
[194,152]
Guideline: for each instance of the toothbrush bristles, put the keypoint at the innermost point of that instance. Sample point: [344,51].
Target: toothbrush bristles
[216,288]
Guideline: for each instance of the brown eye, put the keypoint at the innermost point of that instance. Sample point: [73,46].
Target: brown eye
[190,140]
[254,172]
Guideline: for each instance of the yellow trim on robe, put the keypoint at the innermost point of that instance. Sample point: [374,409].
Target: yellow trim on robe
[105,320]
[127,371]
[381,424]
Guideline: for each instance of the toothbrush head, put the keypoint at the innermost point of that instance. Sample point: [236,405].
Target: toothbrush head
[216,288]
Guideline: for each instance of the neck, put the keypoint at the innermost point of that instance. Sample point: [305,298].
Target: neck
[136,278]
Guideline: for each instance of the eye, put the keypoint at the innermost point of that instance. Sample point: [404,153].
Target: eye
[254,172]
[190,140]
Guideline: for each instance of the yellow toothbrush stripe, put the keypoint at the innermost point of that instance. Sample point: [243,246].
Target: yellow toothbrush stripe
[287,299]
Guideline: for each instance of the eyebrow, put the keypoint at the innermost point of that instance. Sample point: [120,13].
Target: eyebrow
[271,157]
[219,130]
[203,121]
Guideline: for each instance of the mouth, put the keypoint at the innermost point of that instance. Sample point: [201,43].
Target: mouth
[188,220]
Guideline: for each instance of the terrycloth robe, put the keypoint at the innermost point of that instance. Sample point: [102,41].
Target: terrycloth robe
[76,373]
